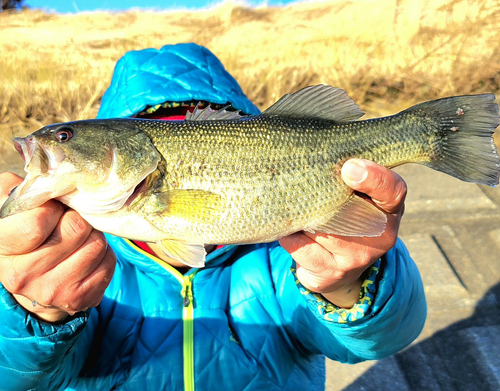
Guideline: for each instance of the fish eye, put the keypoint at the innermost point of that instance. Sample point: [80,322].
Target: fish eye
[64,134]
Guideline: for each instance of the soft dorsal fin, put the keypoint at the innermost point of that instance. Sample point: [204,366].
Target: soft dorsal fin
[208,114]
[321,102]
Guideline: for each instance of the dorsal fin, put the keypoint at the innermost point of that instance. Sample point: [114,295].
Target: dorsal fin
[321,102]
[208,114]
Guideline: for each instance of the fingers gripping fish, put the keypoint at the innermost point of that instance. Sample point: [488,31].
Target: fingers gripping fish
[222,178]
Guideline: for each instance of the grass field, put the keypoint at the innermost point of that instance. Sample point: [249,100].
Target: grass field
[387,54]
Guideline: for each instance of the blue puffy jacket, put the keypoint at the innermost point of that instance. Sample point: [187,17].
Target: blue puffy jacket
[243,322]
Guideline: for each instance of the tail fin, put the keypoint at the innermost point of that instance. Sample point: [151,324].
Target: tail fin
[464,146]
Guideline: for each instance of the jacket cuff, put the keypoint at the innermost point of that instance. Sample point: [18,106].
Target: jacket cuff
[17,323]
[329,312]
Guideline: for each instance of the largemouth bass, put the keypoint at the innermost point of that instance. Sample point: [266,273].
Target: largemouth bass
[221,178]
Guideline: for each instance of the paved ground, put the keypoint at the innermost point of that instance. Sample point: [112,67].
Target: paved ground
[452,230]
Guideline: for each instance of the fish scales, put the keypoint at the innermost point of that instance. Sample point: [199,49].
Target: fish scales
[286,171]
[219,178]
[259,173]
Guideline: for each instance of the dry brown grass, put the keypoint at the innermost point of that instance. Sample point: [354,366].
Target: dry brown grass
[386,54]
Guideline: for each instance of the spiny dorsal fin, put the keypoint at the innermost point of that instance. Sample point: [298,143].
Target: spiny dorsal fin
[357,217]
[208,114]
[321,102]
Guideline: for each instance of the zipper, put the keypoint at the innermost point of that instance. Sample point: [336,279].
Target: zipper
[188,331]
[186,282]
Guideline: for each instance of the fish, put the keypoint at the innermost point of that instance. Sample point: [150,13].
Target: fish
[221,177]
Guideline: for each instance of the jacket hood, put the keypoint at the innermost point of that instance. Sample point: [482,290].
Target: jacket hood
[174,73]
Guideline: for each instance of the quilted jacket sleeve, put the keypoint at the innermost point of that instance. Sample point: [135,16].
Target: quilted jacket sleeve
[389,316]
[36,355]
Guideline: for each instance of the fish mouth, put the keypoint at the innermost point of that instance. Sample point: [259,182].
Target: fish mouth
[39,185]
[38,159]
[26,148]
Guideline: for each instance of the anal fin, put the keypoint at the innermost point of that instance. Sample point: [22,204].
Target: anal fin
[357,217]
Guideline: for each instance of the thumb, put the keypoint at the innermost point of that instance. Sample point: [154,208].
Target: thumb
[386,188]
[306,278]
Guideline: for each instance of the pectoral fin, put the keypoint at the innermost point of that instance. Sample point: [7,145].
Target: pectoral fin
[191,204]
[357,217]
[192,255]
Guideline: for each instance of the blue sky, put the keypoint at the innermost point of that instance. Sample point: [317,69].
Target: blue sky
[64,6]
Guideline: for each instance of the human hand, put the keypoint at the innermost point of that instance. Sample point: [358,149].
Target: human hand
[51,255]
[333,265]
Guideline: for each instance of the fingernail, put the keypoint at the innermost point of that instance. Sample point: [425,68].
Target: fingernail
[354,172]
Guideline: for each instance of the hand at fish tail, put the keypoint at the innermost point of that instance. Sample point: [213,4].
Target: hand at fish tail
[335,266]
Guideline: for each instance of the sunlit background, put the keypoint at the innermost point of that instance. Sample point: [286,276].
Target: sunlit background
[64,6]
[57,59]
